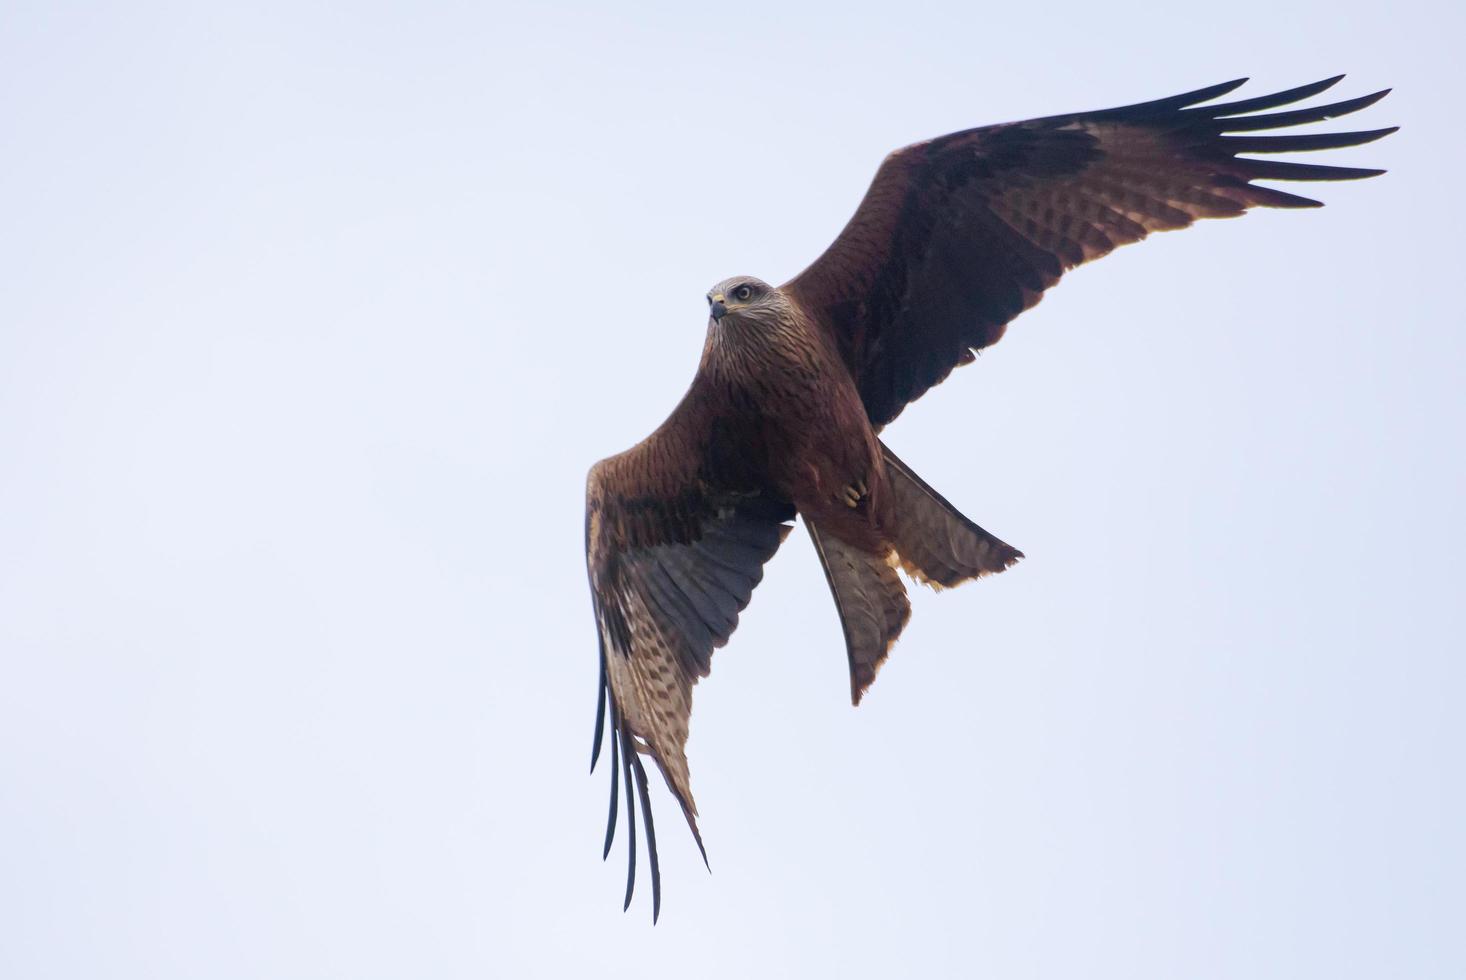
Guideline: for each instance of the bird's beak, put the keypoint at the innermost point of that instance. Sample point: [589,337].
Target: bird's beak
[719,308]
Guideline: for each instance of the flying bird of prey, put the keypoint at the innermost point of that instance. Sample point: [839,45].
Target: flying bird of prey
[955,237]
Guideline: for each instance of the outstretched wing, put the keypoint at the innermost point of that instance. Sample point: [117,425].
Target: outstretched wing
[677,532]
[958,235]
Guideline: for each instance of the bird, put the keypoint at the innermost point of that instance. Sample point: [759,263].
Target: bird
[955,237]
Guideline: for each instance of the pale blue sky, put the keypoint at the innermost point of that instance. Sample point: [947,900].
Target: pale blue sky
[313,316]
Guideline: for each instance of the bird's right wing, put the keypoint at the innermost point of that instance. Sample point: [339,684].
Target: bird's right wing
[958,235]
[676,539]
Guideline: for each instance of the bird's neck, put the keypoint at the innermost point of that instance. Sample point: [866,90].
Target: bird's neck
[763,349]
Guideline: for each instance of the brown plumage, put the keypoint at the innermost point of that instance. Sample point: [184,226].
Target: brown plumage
[955,238]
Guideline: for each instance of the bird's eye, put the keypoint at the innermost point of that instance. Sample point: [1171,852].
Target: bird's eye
[743,293]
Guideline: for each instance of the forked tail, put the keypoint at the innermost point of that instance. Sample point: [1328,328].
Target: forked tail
[926,537]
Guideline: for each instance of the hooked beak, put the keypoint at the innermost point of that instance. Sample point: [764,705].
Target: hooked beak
[717,308]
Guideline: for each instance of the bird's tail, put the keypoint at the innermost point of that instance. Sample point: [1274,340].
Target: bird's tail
[926,537]
[934,543]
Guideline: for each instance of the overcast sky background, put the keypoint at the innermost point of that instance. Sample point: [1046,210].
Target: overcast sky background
[313,316]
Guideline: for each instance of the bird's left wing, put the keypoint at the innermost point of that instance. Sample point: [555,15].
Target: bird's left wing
[676,539]
[960,234]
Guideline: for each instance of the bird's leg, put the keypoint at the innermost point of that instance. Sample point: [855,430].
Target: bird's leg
[853,493]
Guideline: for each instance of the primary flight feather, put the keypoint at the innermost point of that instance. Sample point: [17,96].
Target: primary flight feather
[955,237]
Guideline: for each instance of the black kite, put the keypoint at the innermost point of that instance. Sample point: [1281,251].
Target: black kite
[955,237]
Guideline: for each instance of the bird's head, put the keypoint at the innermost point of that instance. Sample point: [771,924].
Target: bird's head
[743,298]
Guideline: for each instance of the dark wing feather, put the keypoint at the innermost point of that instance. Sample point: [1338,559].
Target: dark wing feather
[958,235]
[677,533]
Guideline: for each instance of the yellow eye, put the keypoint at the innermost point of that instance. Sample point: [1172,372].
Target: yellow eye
[743,294]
